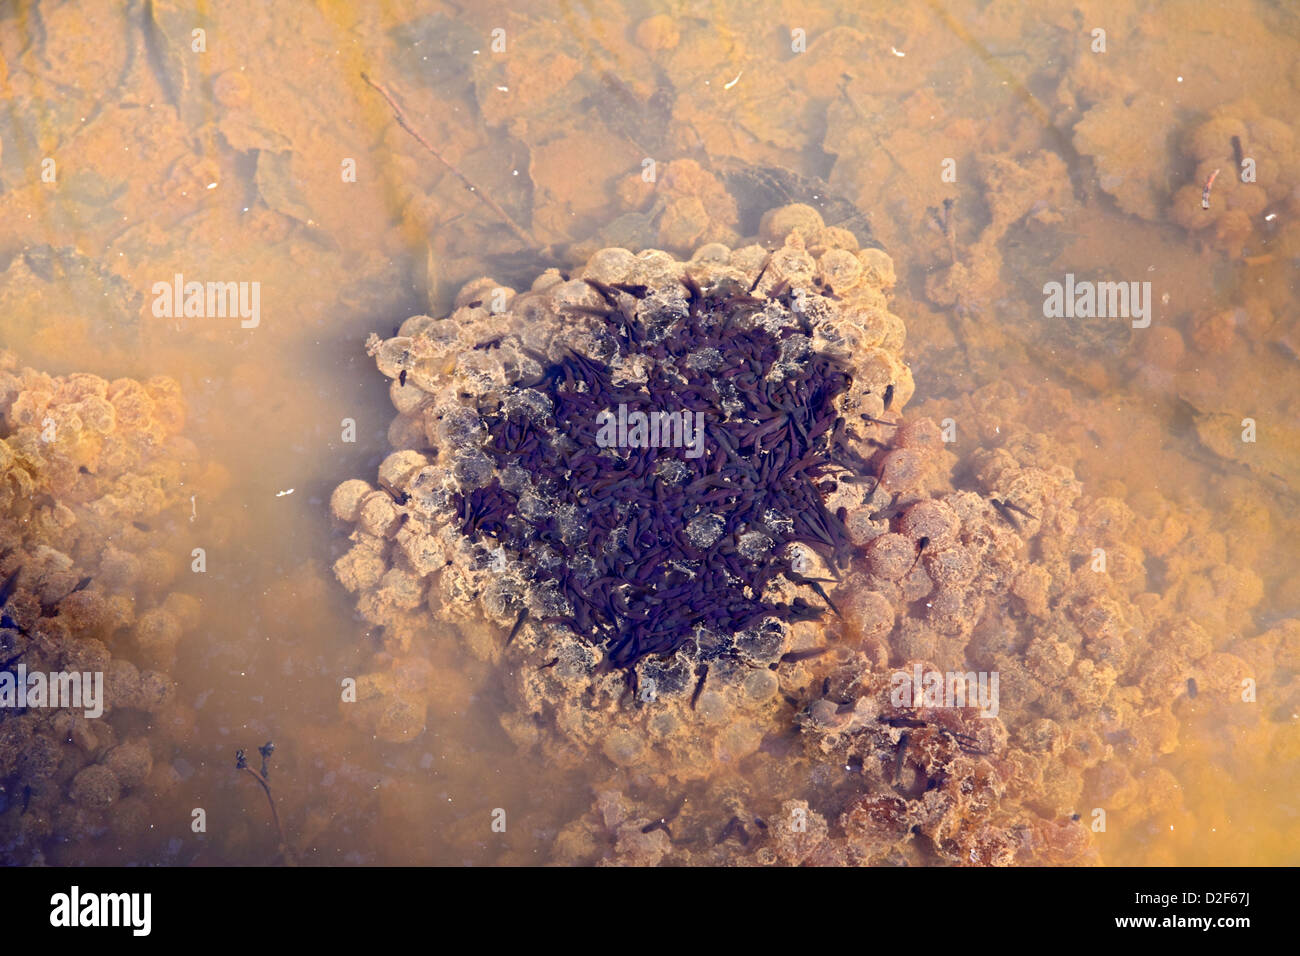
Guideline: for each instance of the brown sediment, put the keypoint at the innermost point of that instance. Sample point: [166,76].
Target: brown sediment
[487,200]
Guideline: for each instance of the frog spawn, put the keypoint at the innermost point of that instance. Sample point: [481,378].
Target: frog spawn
[480,359]
[91,473]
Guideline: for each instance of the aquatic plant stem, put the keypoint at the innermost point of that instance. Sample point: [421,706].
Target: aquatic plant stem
[492,204]
[266,788]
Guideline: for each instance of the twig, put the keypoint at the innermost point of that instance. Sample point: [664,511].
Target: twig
[492,204]
[241,763]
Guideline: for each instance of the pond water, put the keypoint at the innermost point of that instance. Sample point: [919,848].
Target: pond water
[990,148]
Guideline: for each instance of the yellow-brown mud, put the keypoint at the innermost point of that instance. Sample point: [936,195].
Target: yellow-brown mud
[227,165]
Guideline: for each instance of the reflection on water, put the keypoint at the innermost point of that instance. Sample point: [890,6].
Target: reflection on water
[990,149]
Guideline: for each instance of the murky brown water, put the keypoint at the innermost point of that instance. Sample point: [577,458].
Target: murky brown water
[234,162]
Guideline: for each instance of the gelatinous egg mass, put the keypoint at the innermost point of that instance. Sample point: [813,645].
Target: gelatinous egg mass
[656,485]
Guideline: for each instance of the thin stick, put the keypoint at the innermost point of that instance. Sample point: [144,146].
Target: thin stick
[469,184]
[266,787]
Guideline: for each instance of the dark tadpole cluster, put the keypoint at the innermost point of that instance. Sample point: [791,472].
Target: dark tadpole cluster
[651,548]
